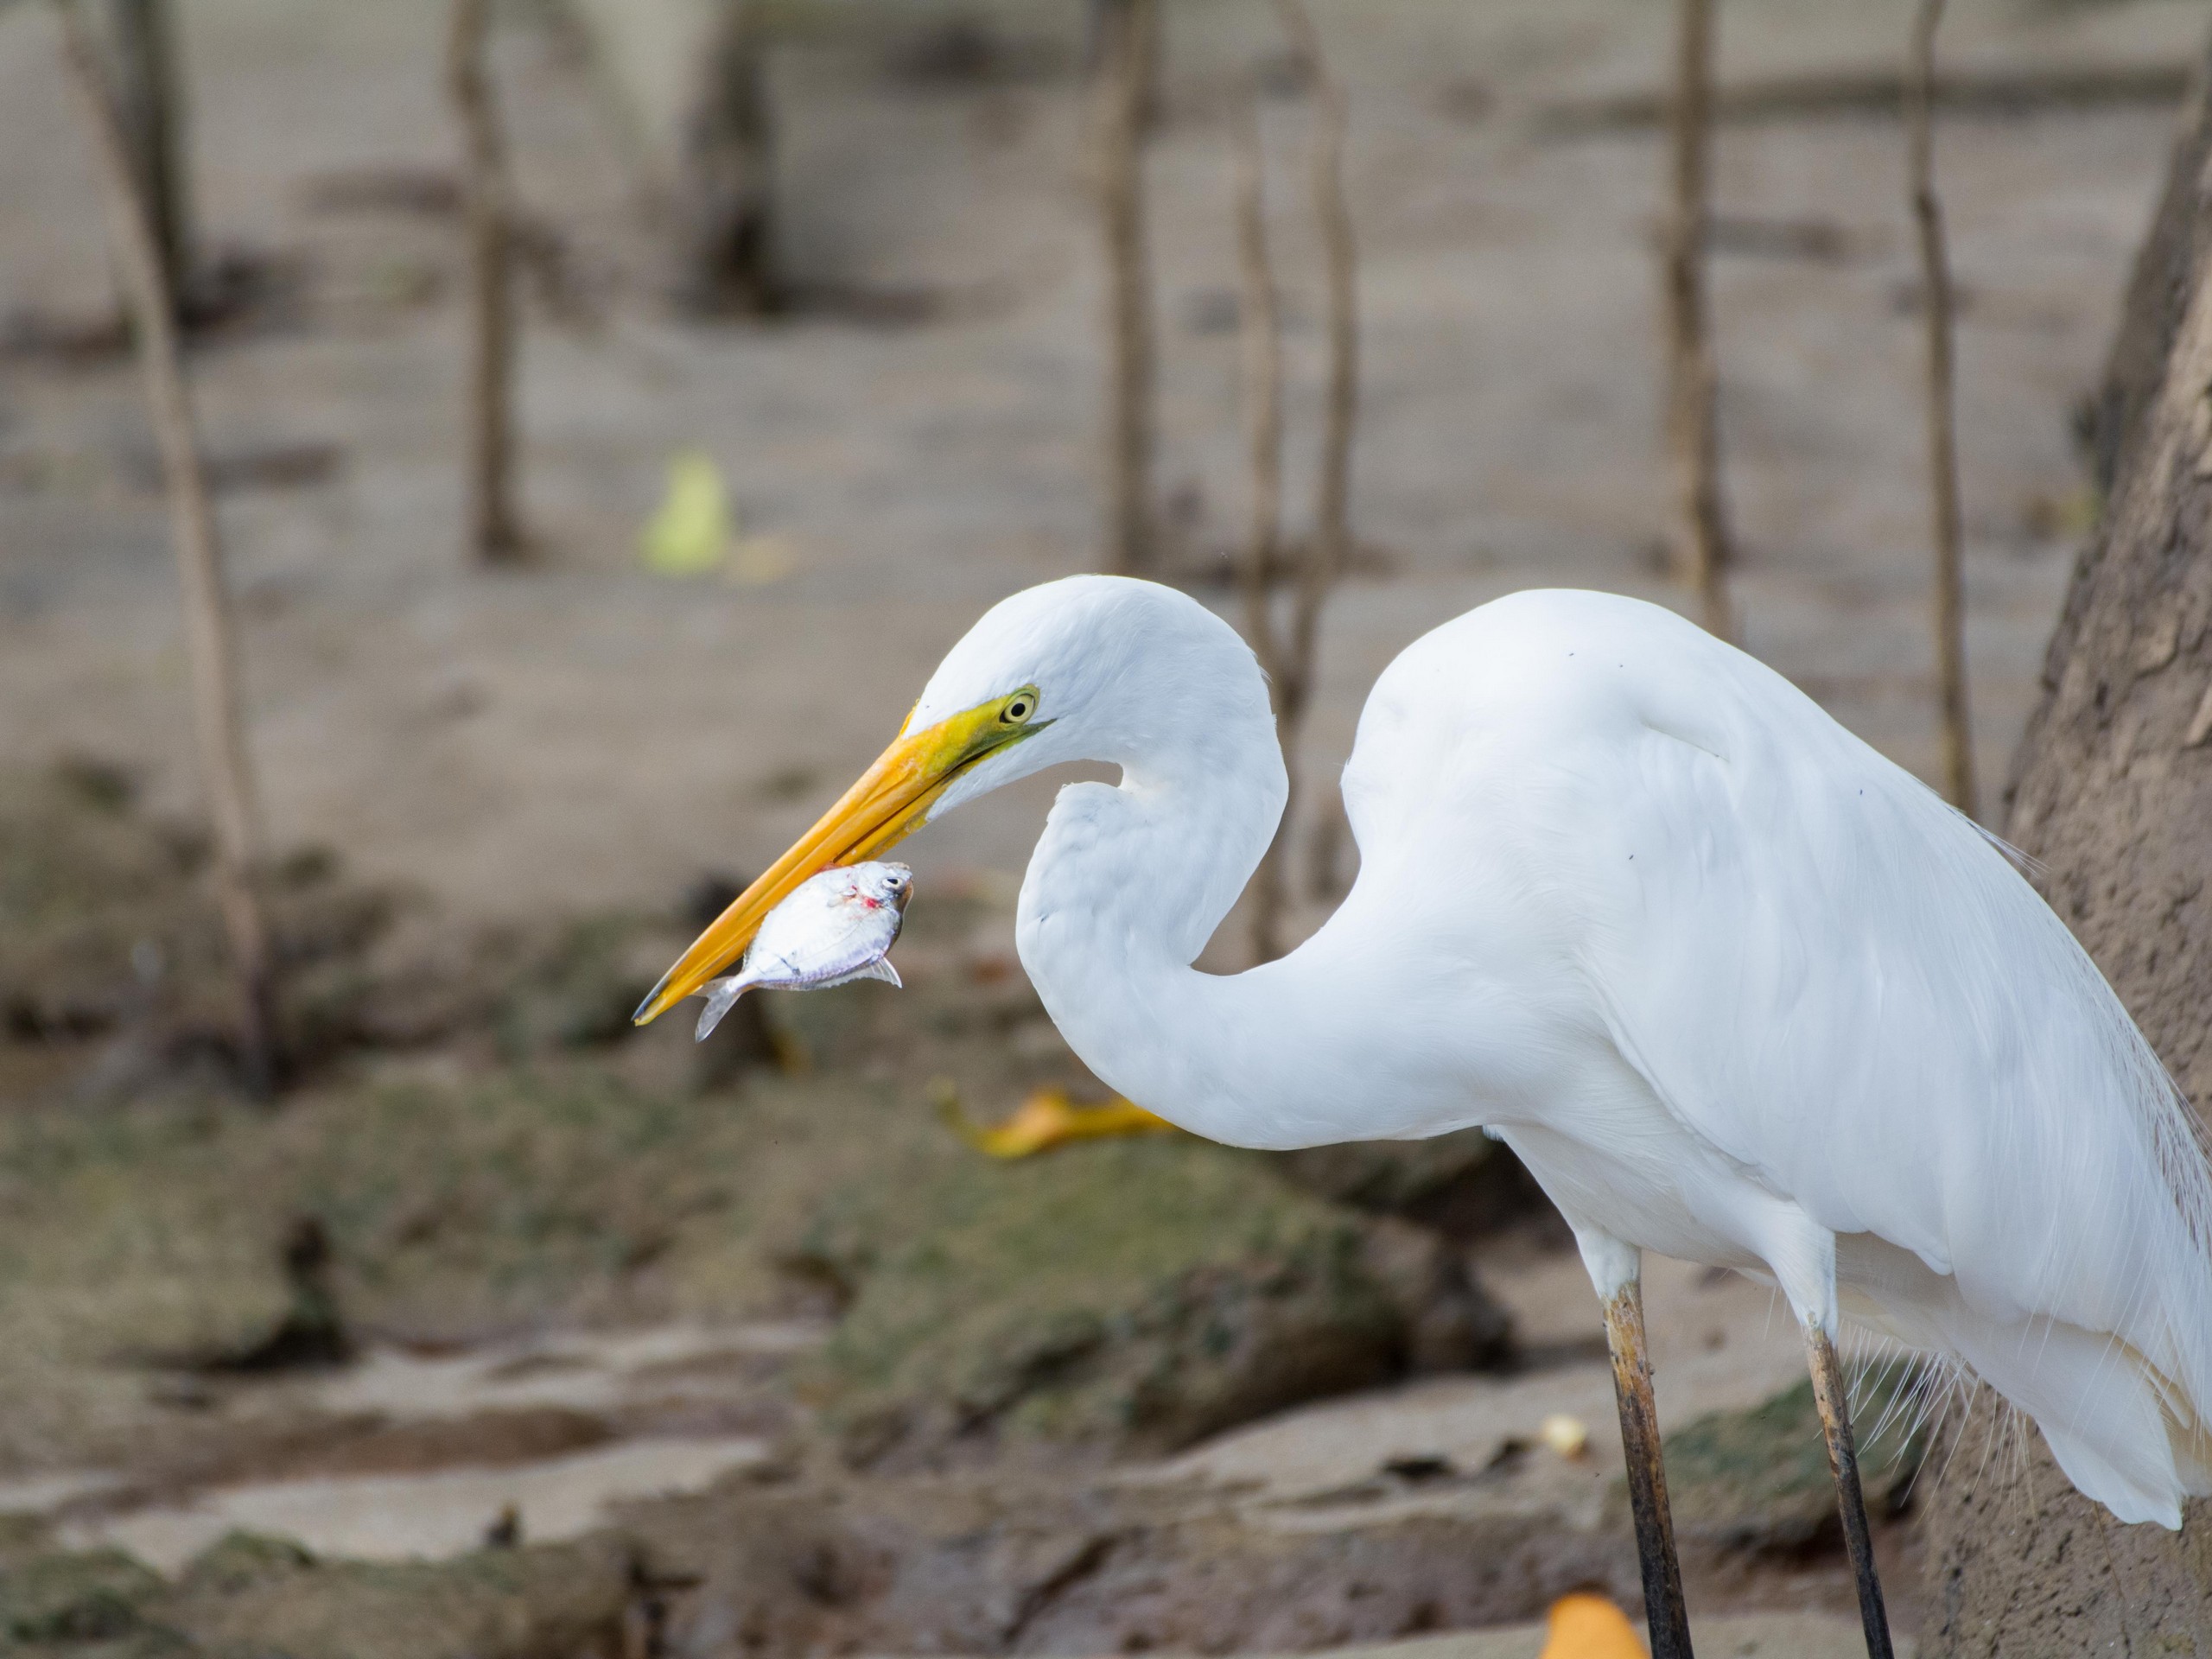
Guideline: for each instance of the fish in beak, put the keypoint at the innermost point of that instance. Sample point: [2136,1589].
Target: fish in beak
[889,803]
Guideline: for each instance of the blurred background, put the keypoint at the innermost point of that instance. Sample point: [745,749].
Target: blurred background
[609,413]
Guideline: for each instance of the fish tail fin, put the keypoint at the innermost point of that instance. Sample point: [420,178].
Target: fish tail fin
[721,996]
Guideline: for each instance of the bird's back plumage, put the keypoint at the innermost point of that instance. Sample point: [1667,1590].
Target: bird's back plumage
[1846,990]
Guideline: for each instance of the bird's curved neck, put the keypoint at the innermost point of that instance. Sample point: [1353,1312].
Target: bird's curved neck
[1127,885]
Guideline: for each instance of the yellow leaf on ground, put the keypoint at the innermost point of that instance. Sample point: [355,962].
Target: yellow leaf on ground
[1585,1626]
[1047,1119]
[689,536]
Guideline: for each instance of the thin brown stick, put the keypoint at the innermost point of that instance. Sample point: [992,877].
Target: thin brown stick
[1261,339]
[226,765]
[1326,555]
[494,527]
[1325,847]
[1822,94]
[1942,413]
[725,200]
[1288,653]
[1126,28]
[146,94]
[1152,66]
[1693,426]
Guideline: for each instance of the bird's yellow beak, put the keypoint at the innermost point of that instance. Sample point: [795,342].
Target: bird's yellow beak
[886,805]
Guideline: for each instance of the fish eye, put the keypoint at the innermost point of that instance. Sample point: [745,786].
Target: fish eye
[1019,706]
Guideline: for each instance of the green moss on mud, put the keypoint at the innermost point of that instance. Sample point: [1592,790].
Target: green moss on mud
[260,1596]
[94,1596]
[249,1595]
[547,1166]
[1134,1292]
[1758,1478]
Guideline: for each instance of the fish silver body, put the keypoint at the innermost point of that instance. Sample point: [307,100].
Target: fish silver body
[836,927]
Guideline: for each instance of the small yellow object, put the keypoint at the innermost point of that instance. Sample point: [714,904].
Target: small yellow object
[690,535]
[1047,1119]
[1569,1436]
[1586,1626]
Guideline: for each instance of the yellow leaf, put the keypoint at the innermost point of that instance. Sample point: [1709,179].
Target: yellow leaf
[1047,1119]
[1585,1626]
[689,536]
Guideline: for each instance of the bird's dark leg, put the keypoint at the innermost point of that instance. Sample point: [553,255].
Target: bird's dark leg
[1833,1400]
[1663,1606]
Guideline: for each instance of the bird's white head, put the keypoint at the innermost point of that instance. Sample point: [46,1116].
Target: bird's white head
[1098,668]
[1089,668]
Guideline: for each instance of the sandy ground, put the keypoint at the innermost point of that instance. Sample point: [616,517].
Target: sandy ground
[1719,1342]
[589,733]
[436,1513]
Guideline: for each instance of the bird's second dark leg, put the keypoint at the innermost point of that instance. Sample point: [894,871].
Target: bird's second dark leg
[1663,1605]
[1833,1398]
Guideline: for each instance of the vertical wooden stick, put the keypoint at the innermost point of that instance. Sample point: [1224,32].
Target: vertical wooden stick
[1330,546]
[1263,352]
[1262,341]
[1943,419]
[225,766]
[494,528]
[1127,27]
[725,199]
[1693,425]
[1289,655]
[146,92]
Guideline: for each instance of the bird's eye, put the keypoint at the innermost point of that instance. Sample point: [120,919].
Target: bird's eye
[1019,707]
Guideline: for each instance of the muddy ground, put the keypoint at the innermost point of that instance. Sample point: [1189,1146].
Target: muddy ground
[741,1347]
[747,1342]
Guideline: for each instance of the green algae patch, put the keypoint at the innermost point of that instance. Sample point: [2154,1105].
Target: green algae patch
[254,1595]
[479,1142]
[1141,1293]
[1758,1478]
[94,1596]
[249,1595]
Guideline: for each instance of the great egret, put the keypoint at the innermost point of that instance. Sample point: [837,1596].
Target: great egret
[1734,987]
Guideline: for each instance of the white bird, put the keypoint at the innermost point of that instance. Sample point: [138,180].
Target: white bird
[1733,987]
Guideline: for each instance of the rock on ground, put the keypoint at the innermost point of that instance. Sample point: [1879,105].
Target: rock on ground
[257,1596]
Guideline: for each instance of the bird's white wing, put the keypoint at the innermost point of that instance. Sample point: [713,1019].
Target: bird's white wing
[1843,984]
[1821,969]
